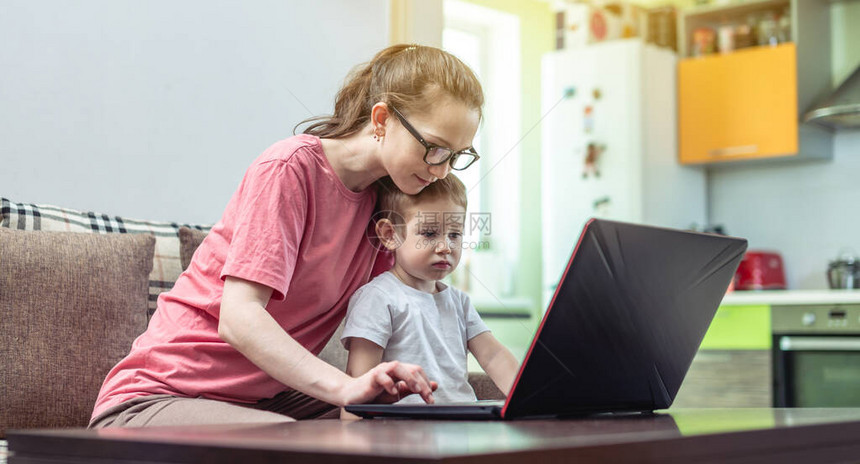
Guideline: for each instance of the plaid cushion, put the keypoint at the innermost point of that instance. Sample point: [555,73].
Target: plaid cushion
[166,266]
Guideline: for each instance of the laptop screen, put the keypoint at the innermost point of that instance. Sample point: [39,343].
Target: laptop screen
[626,320]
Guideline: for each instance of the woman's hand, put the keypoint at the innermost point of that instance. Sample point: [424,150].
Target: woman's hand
[389,382]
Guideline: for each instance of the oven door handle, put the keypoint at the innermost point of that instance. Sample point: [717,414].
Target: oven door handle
[819,343]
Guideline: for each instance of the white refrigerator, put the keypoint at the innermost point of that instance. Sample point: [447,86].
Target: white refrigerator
[609,146]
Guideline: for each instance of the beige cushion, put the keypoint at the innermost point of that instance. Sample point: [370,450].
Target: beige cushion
[333,352]
[70,306]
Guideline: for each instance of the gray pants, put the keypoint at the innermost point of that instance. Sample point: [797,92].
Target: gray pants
[157,410]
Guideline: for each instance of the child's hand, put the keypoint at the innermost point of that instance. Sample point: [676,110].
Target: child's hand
[388,382]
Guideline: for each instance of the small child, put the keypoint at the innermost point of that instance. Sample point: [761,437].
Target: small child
[407,314]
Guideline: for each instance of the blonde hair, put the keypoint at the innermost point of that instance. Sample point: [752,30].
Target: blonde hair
[408,77]
[392,204]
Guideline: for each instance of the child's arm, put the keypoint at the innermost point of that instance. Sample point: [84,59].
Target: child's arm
[364,355]
[496,360]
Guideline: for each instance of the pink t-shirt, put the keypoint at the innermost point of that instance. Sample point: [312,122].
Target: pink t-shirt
[293,226]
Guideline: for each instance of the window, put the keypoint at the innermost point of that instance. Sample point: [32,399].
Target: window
[489,42]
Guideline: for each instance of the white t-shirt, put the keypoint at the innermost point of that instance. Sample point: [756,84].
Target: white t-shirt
[430,330]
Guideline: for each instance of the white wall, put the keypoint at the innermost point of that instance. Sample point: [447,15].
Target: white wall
[154,109]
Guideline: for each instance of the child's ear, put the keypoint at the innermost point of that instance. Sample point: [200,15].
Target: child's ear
[387,233]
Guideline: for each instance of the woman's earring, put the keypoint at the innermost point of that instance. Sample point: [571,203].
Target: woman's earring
[378,135]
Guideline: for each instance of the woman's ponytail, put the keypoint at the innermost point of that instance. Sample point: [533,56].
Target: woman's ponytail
[405,76]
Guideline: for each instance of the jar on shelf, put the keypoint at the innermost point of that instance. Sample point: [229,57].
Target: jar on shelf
[768,30]
[745,33]
[704,41]
[726,38]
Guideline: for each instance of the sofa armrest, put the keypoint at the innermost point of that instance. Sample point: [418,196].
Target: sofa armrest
[484,387]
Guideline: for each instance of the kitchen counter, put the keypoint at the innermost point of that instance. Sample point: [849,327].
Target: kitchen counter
[791,297]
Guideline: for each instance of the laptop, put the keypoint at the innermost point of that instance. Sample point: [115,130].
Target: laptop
[620,332]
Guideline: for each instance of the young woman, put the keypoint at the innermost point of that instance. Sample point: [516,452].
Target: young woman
[236,339]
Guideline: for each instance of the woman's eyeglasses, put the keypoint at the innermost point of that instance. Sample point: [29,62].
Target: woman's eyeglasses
[435,155]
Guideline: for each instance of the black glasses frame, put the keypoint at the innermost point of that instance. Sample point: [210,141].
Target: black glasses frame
[452,155]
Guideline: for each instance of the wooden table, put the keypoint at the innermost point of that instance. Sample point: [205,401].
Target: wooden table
[693,435]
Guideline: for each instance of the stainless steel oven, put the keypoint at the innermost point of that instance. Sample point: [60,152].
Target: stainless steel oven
[816,355]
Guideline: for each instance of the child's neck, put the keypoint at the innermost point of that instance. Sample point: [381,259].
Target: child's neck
[426,286]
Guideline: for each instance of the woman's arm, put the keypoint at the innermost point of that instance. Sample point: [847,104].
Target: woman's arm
[247,326]
[496,360]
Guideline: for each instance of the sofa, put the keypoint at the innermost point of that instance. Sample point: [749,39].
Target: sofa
[76,288]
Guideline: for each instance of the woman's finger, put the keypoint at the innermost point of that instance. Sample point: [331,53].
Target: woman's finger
[424,376]
[384,380]
[416,379]
[402,386]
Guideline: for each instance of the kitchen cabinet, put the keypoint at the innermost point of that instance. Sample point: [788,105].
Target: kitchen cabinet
[747,104]
[744,327]
[727,379]
[733,366]
[739,106]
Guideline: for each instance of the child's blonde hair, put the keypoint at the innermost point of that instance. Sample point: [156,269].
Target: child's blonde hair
[408,77]
[392,204]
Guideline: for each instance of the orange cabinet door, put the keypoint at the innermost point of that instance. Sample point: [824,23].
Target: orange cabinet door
[740,105]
